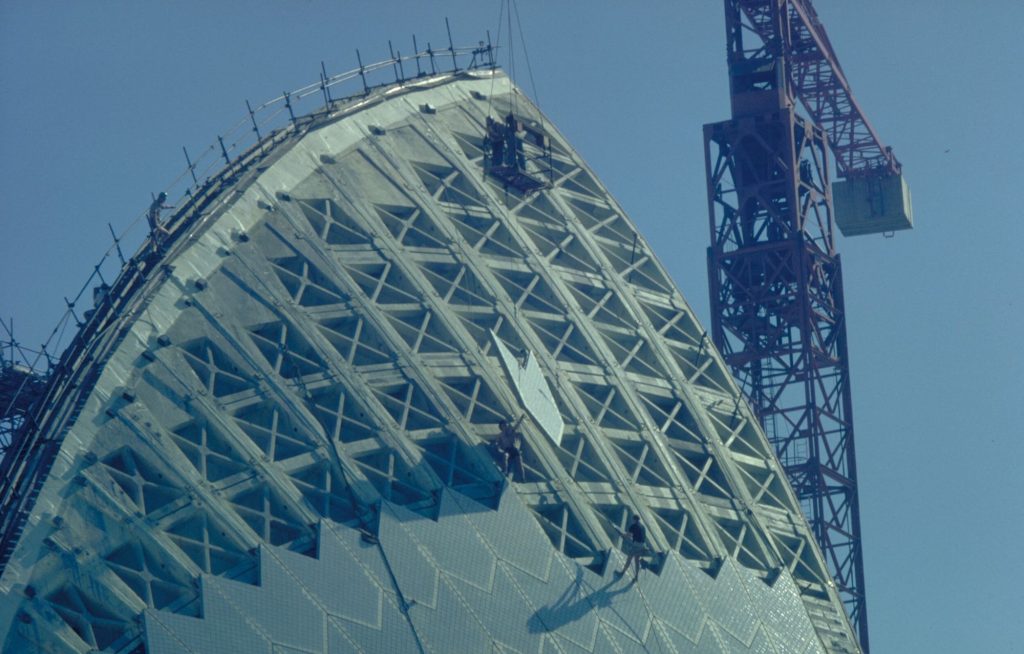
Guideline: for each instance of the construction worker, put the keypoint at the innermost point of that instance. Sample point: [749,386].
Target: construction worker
[509,443]
[494,144]
[634,545]
[157,231]
[516,154]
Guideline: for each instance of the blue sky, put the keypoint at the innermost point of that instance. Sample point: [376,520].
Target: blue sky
[98,98]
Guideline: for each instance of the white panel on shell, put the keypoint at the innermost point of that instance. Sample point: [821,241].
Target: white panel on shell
[533,391]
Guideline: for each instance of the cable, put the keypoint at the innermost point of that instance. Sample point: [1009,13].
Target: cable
[497,45]
[526,56]
[511,61]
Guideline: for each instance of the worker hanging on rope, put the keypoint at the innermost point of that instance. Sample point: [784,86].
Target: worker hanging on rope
[495,142]
[509,444]
[634,544]
[157,231]
[505,140]
[515,153]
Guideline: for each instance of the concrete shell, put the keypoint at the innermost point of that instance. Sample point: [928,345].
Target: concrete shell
[278,435]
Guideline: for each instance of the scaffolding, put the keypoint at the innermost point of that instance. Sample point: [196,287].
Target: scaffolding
[23,375]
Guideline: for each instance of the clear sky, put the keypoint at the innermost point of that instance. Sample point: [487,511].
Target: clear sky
[98,98]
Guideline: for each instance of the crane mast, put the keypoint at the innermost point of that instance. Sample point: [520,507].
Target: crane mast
[775,277]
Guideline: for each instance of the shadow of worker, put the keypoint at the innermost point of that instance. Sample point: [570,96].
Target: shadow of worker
[573,604]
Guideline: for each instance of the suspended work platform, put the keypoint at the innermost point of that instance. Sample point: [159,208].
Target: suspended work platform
[518,153]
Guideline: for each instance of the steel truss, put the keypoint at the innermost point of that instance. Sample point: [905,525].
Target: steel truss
[775,282]
[22,381]
[778,318]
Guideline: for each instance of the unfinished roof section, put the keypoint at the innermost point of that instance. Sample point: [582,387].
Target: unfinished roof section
[300,395]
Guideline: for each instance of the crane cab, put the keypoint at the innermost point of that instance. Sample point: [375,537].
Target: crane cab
[872,204]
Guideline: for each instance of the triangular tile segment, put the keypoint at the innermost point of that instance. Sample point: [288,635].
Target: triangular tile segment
[454,465]
[411,226]
[306,284]
[332,224]
[456,284]
[422,331]
[407,585]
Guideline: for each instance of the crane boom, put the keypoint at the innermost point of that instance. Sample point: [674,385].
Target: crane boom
[792,33]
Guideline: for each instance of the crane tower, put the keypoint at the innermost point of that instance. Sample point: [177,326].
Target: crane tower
[775,278]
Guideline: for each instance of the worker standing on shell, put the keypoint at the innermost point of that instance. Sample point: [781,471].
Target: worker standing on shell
[157,231]
[634,545]
[509,443]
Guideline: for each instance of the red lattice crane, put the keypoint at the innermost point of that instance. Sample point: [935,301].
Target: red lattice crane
[774,274]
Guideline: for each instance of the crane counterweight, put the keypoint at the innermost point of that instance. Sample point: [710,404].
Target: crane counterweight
[872,204]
